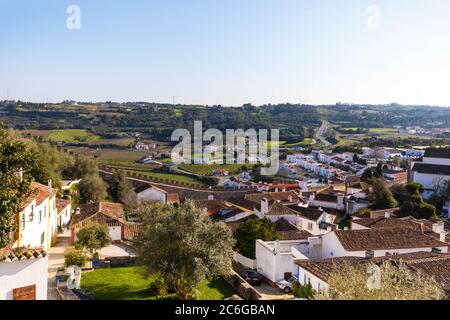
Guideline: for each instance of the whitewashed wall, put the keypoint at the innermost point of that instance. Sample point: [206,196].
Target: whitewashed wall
[24,273]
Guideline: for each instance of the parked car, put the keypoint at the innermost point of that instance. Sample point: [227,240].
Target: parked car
[252,277]
[287,285]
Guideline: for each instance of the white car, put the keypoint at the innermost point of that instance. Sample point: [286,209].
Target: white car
[287,285]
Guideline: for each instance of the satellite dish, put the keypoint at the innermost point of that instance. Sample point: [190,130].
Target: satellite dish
[74,280]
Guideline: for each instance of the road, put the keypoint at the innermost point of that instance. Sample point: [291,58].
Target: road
[322,132]
[55,261]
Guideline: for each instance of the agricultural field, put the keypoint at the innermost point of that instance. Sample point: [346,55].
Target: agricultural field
[72,136]
[169,177]
[206,169]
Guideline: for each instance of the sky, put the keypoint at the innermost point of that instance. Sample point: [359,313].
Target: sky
[227,52]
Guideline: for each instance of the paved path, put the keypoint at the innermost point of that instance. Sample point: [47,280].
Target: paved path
[56,260]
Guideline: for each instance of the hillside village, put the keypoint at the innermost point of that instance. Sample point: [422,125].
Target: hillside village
[323,209]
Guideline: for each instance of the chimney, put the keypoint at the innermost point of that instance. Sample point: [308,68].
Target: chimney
[211,197]
[49,183]
[290,199]
[438,227]
[442,236]
[264,206]
[77,211]
[312,196]
[387,214]
[277,247]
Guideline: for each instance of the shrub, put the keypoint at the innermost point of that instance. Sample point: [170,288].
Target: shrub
[74,258]
[158,287]
[303,291]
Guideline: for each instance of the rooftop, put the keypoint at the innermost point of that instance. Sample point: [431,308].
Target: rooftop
[385,239]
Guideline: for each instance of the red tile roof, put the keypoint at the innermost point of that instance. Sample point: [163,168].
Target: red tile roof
[11,255]
[385,239]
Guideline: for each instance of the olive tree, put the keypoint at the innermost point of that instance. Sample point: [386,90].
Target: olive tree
[184,245]
[93,237]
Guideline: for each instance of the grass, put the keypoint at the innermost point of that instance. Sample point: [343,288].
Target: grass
[72,136]
[206,169]
[129,283]
[169,176]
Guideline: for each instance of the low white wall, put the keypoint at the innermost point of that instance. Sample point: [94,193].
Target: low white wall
[246,262]
[24,273]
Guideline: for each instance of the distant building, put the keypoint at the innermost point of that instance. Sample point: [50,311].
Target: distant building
[433,172]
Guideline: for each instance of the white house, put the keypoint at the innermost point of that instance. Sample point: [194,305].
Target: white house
[64,212]
[23,274]
[38,218]
[434,170]
[275,259]
[147,193]
[111,214]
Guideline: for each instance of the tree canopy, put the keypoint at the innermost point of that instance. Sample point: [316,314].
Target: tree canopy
[251,230]
[14,156]
[94,236]
[184,245]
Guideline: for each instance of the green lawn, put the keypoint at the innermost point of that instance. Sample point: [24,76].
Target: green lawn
[129,283]
[169,176]
[206,169]
[72,135]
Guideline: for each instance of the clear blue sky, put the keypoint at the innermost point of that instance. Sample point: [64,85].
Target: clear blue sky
[227,52]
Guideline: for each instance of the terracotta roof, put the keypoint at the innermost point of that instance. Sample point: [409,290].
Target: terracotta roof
[437,153]
[61,204]
[39,192]
[273,196]
[212,206]
[173,197]
[431,169]
[278,209]
[242,202]
[308,213]
[11,255]
[385,239]
[433,264]
[111,210]
[389,223]
[288,231]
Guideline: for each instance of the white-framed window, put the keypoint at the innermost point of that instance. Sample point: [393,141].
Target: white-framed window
[40,216]
[310,225]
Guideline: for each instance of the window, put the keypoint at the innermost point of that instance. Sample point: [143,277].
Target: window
[45,212]
[40,216]
[23,221]
[287,275]
[310,226]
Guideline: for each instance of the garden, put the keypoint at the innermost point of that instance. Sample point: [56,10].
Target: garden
[132,283]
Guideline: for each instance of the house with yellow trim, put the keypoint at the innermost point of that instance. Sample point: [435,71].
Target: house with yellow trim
[37,219]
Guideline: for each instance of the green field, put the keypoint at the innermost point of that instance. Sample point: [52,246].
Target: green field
[206,169]
[169,177]
[72,136]
[130,283]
